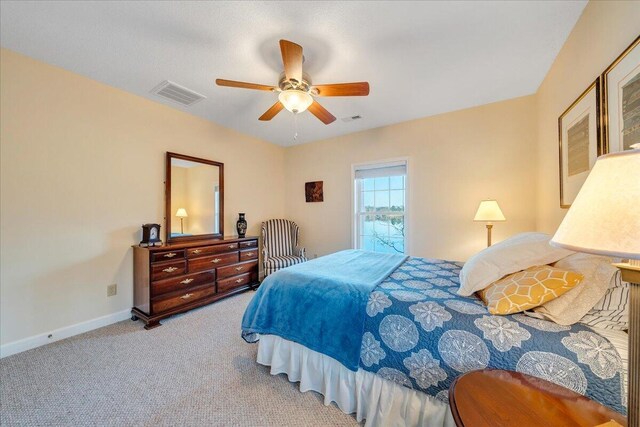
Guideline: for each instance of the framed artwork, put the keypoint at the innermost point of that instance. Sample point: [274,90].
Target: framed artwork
[313,191]
[621,101]
[579,142]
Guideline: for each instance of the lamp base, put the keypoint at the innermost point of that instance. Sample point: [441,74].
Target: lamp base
[489,227]
[631,273]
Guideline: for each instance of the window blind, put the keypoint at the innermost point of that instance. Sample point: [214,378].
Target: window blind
[387,169]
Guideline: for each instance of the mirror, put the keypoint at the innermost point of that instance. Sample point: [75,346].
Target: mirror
[194,192]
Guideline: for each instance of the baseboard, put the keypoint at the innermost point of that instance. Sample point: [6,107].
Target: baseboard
[62,333]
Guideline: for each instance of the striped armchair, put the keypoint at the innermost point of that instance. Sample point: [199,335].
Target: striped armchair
[280,245]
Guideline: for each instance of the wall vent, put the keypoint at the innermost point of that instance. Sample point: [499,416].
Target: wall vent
[176,93]
[351,118]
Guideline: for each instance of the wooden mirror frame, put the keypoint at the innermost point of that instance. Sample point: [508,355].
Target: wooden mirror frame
[167,197]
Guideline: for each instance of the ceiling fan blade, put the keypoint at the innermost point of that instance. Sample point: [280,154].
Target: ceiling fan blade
[271,112]
[320,112]
[244,85]
[292,60]
[343,89]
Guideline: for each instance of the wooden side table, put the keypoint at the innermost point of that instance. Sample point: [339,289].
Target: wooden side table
[495,398]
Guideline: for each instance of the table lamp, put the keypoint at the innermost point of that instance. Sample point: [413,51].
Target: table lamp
[182,214]
[489,212]
[604,219]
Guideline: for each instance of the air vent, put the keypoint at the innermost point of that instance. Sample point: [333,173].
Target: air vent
[351,118]
[177,93]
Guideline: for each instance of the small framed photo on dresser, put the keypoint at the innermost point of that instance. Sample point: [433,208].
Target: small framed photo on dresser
[621,100]
[579,142]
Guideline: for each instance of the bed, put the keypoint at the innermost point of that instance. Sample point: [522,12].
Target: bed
[384,336]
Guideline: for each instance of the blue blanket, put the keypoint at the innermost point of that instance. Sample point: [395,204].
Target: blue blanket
[421,334]
[320,303]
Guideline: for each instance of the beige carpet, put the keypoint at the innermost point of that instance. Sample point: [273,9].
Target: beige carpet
[194,370]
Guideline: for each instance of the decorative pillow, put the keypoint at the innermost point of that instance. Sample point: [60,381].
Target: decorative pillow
[573,305]
[514,254]
[527,289]
[612,311]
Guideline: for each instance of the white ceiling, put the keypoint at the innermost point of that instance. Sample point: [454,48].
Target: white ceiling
[421,58]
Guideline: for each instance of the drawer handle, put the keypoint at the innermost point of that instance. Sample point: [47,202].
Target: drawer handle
[215,261]
[187,281]
[239,268]
[232,246]
[249,253]
[170,269]
[196,251]
[239,280]
[170,255]
[186,296]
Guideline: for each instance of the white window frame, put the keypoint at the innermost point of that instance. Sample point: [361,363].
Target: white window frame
[355,224]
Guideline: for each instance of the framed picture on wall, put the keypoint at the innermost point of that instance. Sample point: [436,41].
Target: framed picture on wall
[621,95]
[313,191]
[579,142]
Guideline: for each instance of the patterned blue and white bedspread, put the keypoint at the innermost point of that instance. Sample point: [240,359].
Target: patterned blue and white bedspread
[420,333]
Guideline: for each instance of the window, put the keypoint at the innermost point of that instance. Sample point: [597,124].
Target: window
[380,207]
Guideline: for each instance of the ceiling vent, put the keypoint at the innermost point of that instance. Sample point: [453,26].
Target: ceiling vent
[351,118]
[177,93]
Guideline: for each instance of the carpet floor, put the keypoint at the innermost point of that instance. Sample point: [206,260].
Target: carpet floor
[194,370]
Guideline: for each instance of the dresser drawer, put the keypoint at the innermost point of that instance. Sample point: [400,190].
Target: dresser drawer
[248,254]
[175,300]
[168,269]
[183,283]
[233,282]
[213,261]
[234,270]
[210,250]
[249,244]
[167,255]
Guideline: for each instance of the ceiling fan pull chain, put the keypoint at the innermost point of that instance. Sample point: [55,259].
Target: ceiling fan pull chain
[295,127]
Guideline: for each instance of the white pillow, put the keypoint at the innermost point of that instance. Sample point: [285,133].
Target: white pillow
[514,254]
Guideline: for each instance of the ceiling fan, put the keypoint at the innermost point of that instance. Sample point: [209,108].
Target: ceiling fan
[296,92]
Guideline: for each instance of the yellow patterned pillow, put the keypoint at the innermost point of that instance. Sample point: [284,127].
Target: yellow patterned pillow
[528,288]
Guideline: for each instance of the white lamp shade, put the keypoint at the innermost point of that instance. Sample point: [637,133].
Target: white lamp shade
[604,218]
[181,213]
[295,100]
[489,211]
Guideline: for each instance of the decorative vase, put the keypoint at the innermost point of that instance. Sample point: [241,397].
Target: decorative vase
[241,225]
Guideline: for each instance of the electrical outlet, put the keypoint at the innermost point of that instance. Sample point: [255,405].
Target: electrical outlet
[112,290]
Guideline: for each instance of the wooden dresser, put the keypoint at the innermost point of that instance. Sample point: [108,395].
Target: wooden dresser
[174,278]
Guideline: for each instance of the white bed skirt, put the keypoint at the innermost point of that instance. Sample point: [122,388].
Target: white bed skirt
[372,398]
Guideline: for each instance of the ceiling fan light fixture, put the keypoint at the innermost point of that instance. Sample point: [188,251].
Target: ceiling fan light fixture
[295,100]
[296,91]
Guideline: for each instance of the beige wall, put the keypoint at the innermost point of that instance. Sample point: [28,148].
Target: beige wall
[455,160]
[603,31]
[82,167]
